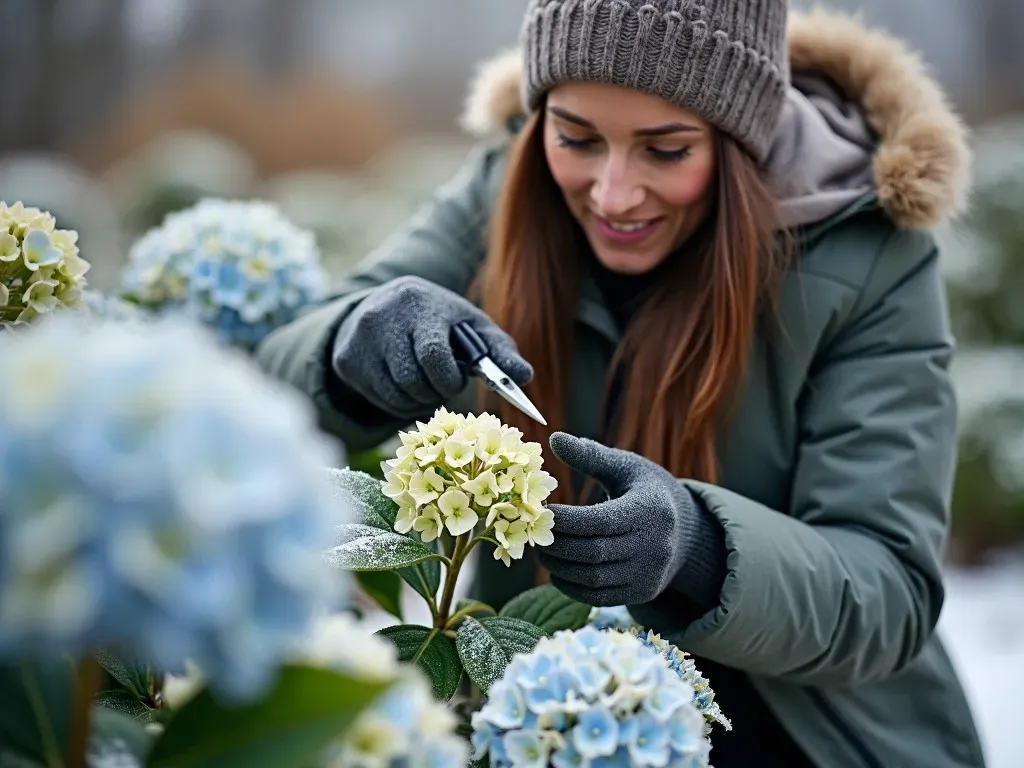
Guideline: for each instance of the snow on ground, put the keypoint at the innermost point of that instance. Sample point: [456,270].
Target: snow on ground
[982,625]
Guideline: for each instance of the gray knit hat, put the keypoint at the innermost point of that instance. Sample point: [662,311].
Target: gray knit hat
[725,60]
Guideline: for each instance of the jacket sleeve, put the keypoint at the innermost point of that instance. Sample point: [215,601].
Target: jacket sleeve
[444,242]
[847,587]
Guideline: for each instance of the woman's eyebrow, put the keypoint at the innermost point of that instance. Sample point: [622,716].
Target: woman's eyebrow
[659,130]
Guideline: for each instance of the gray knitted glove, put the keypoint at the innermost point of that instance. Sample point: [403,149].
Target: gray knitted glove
[651,533]
[394,348]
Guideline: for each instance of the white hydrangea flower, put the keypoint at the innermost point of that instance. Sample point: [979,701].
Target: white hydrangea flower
[457,470]
[40,269]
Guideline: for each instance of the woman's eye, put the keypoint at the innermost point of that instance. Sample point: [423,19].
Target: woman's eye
[669,155]
[565,141]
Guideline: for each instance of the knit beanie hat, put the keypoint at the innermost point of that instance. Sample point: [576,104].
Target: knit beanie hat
[724,60]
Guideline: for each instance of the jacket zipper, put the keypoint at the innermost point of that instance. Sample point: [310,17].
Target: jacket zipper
[869,758]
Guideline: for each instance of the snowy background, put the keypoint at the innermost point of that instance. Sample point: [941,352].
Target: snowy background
[983,626]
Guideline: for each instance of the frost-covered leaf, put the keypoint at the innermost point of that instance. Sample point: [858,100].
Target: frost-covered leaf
[488,645]
[365,548]
[547,608]
[385,587]
[483,658]
[125,703]
[362,492]
[433,651]
[133,676]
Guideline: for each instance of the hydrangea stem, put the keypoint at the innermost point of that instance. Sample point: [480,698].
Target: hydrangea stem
[450,579]
[87,683]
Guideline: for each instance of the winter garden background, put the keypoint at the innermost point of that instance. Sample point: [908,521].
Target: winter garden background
[339,116]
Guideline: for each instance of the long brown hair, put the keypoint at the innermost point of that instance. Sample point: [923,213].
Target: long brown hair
[684,355]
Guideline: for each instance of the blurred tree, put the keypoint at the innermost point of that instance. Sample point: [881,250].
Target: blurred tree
[988,316]
[26,120]
[1004,59]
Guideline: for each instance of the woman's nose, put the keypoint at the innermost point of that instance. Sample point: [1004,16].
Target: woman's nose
[616,191]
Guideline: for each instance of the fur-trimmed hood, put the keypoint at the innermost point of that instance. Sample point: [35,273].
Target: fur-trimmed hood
[862,114]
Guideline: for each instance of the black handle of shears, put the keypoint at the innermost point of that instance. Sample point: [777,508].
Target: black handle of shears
[467,344]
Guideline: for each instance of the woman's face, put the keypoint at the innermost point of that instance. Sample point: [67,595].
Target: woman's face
[636,170]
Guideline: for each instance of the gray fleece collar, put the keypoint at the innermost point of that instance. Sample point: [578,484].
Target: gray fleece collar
[821,158]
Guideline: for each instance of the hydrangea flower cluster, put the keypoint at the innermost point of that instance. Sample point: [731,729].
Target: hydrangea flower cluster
[239,267]
[40,269]
[590,695]
[618,619]
[173,515]
[406,725]
[684,666]
[457,469]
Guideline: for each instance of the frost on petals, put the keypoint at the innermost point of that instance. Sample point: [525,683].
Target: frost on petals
[457,471]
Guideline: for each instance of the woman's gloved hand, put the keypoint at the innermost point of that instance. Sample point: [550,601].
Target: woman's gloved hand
[649,534]
[394,348]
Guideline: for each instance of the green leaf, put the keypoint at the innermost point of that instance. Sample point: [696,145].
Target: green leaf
[133,676]
[487,646]
[385,587]
[35,703]
[425,578]
[365,548]
[121,732]
[547,608]
[362,492]
[125,703]
[307,710]
[434,651]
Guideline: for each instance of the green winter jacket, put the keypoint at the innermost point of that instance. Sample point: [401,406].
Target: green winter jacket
[837,472]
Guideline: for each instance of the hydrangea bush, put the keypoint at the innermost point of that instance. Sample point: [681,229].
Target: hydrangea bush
[456,482]
[239,267]
[40,269]
[590,695]
[145,507]
[153,517]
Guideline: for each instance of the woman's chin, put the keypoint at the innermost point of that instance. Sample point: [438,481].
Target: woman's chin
[627,262]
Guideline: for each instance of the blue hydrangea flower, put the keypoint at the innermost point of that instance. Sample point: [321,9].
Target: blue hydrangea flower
[240,267]
[684,666]
[159,497]
[547,709]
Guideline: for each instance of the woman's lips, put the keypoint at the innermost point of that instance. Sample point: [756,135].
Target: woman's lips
[626,233]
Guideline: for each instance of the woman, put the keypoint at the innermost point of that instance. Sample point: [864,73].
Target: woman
[708,234]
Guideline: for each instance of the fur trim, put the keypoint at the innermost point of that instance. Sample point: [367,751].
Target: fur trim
[922,162]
